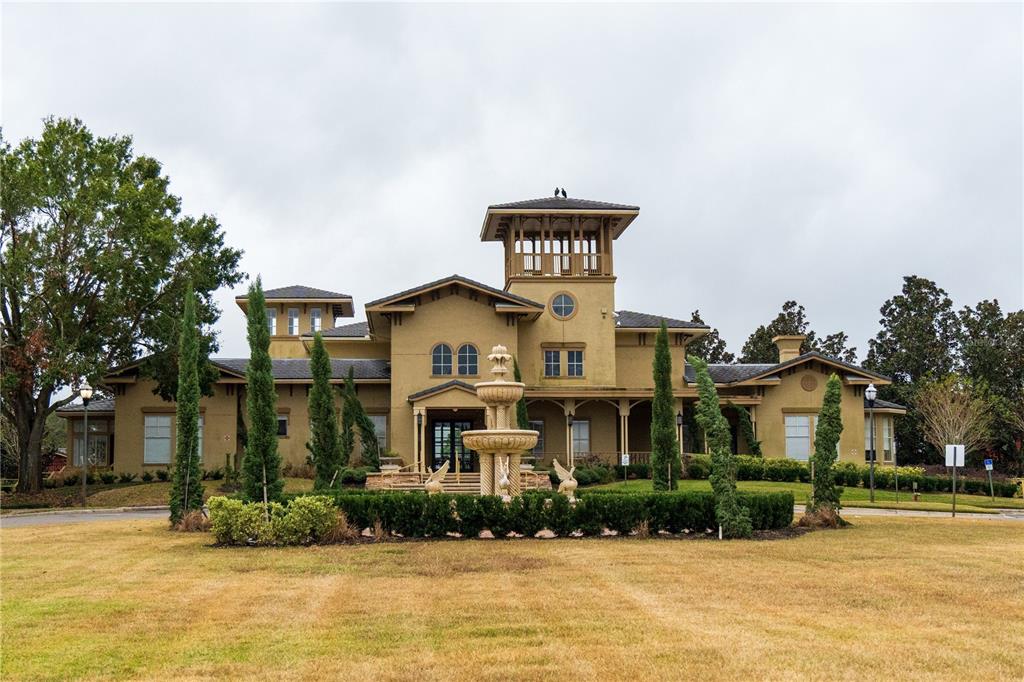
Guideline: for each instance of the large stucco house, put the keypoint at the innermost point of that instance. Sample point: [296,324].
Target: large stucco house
[417,354]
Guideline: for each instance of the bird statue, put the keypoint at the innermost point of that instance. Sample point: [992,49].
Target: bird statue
[564,195]
[503,482]
[433,484]
[568,484]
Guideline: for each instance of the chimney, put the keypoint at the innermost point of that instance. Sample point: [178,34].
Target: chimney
[789,346]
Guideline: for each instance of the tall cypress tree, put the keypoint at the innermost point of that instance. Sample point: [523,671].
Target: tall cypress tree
[187,486]
[261,465]
[826,438]
[665,463]
[731,516]
[356,416]
[324,447]
[522,416]
[347,438]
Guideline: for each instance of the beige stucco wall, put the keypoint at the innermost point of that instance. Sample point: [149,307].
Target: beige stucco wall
[593,324]
[453,319]
[357,349]
[791,398]
[634,363]
[219,429]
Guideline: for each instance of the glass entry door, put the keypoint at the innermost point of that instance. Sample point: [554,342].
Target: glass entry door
[448,445]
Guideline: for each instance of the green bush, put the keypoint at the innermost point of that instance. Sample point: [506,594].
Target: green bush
[108,477]
[304,521]
[589,475]
[126,477]
[785,469]
[633,471]
[847,474]
[147,476]
[163,474]
[49,482]
[354,476]
[749,468]
[698,467]
[71,479]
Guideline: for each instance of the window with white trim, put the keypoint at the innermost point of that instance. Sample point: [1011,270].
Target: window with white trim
[272,321]
[798,436]
[887,444]
[380,429]
[552,363]
[293,321]
[538,426]
[315,320]
[282,425]
[468,360]
[99,442]
[580,436]
[441,359]
[574,362]
[157,445]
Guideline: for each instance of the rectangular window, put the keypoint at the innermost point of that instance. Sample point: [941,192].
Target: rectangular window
[380,429]
[538,426]
[867,439]
[272,321]
[293,321]
[157,447]
[314,320]
[887,439]
[199,441]
[574,363]
[580,436]
[798,436]
[552,363]
[282,425]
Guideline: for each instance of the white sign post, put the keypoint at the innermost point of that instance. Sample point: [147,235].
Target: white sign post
[625,467]
[954,458]
[988,469]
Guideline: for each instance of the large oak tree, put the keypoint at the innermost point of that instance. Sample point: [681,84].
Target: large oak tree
[96,257]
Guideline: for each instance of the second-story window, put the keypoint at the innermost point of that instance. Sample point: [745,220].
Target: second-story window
[467,359]
[441,359]
[293,321]
[574,362]
[272,320]
[314,320]
[552,363]
[562,306]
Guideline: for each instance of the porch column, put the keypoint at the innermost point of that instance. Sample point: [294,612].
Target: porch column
[623,426]
[418,437]
[569,407]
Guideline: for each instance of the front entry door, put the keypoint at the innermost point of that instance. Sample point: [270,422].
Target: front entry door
[448,445]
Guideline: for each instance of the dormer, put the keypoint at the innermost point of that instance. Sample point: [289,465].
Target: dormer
[557,236]
[297,310]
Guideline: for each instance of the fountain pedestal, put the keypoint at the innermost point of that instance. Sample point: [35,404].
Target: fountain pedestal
[499,445]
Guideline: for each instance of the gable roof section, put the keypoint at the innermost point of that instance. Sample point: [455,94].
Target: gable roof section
[457,279]
[96,406]
[886,405]
[301,291]
[441,388]
[297,369]
[739,373]
[628,319]
[559,204]
[355,330]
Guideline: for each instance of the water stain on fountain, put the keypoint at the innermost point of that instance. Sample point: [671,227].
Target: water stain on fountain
[499,444]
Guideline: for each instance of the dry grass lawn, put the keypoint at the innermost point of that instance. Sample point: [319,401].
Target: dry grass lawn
[888,598]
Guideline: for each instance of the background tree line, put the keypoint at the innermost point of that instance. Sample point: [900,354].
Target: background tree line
[922,341]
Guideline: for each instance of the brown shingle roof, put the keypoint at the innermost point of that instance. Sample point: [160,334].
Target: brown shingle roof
[629,319]
[569,204]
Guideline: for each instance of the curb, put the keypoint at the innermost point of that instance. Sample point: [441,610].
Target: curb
[97,510]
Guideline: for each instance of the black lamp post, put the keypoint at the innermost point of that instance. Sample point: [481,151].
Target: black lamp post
[571,457]
[85,392]
[871,393]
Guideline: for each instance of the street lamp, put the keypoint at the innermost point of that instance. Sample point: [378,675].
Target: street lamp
[85,392]
[568,419]
[871,393]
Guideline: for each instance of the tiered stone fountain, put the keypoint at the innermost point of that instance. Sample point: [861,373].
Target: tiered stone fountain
[499,446]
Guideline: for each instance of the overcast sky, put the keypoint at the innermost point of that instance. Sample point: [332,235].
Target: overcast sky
[816,153]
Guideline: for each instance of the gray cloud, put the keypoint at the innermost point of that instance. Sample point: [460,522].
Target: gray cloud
[809,152]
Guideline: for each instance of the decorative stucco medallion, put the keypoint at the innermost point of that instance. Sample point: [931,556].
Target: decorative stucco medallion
[809,382]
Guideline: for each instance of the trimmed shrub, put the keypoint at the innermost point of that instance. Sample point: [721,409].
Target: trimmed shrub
[71,479]
[147,476]
[784,469]
[126,477]
[633,471]
[698,467]
[108,477]
[749,468]
[305,521]
[163,474]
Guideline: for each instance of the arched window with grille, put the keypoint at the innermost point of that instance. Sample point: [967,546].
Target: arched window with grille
[441,359]
[468,359]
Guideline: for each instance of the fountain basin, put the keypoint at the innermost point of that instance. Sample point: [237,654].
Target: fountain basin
[499,392]
[500,440]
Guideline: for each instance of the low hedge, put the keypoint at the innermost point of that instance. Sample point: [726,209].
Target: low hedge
[308,519]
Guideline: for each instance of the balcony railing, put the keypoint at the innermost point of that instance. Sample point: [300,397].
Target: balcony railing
[559,264]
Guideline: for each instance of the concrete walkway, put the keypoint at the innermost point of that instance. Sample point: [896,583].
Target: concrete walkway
[851,512]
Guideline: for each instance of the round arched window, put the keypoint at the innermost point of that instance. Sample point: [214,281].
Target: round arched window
[441,359]
[467,360]
[562,306]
